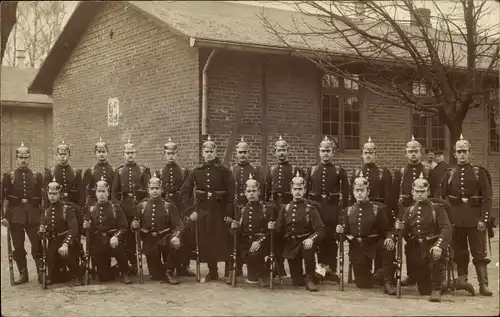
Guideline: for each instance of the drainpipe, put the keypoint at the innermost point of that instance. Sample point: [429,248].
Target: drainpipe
[204,97]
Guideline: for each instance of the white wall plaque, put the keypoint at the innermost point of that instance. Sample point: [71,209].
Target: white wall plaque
[113,112]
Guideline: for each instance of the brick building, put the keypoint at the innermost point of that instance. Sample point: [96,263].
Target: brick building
[184,70]
[25,117]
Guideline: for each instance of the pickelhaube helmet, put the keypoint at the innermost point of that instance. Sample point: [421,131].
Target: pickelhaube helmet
[154,181]
[54,185]
[251,183]
[420,183]
[298,180]
[280,144]
[327,143]
[462,144]
[63,148]
[242,145]
[413,144]
[209,144]
[102,184]
[369,146]
[22,149]
[360,181]
[170,145]
[129,146]
[100,145]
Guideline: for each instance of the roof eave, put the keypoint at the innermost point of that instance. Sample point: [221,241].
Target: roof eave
[24,104]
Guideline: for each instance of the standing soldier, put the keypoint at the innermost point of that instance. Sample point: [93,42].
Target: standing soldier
[402,187]
[430,153]
[22,193]
[427,232]
[93,174]
[255,240]
[69,178]
[380,186]
[299,225]
[328,185]
[241,172]
[172,177]
[370,233]
[212,206]
[278,180]
[161,227]
[130,185]
[60,225]
[468,189]
[108,225]
[439,170]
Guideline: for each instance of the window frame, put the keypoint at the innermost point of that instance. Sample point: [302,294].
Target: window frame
[492,97]
[428,132]
[341,92]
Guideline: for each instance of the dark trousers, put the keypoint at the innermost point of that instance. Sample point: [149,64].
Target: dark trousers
[295,264]
[19,254]
[129,238]
[185,253]
[477,245]
[328,247]
[160,255]
[102,252]
[362,257]
[56,260]
[427,271]
[256,264]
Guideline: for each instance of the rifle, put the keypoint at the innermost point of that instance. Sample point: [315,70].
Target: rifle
[138,246]
[9,243]
[349,273]
[399,252]
[44,245]
[341,241]
[197,251]
[235,255]
[86,256]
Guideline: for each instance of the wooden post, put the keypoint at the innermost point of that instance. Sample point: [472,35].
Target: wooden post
[237,120]
[263,116]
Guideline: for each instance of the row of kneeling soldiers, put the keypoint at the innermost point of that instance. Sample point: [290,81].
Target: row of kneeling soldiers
[232,215]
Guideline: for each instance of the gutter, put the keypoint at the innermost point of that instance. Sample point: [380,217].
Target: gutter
[204,96]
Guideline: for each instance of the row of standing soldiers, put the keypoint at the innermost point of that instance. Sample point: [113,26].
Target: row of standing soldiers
[214,197]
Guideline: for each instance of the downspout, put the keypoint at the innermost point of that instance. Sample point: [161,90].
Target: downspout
[204,97]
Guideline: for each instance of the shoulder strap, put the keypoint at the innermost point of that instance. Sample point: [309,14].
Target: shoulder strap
[349,210]
[375,210]
[402,171]
[308,213]
[120,169]
[337,169]
[287,208]
[476,172]
[433,214]
[165,204]
[12,176]
[231,168]
[380,174]
[92,209]
[452,172]
[264,209]
[142,168]
[427,170]
[356,172]
[143,206]
[65,208]
[314,168]
[113,209]
[92,169]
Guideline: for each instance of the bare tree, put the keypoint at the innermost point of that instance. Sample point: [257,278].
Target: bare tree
[440,65]
[7,20]
[38,25]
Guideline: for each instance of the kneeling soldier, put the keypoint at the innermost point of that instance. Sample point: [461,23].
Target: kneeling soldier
[254,243]
[60,225]
[107,224]
[160,232]
[369,233]
[427,231]
[301,227]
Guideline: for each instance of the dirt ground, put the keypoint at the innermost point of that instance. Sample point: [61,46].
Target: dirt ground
[218,299]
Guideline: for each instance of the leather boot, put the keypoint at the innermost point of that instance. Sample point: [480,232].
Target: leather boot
[310,285]
[229,278]
[408,281]
[23,272]
[185,271]
[461,284]
[388,289]
[169,278]
[482,278]
[435,296]
[39,269]
[126,279]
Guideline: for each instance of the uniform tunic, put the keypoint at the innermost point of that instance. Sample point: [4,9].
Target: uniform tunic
[241,173]
[130,179]
[172,177]
[278,182]
[70,180]
[403,182]
[91,176]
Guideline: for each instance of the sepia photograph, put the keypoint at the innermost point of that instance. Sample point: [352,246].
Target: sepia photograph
[250,158]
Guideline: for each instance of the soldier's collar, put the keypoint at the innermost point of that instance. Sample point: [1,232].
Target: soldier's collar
[244,163]
[330,162]
[372,164]
[300,200]
[131,164]
[363,202]
[253,203]
[63,165]
[283,162]
[23,168]
[171,164]
[416,164]
[102,163]
[424,202]
[462,165]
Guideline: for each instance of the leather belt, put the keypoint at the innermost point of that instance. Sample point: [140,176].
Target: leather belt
[298,236]
[55,235]
[24,201]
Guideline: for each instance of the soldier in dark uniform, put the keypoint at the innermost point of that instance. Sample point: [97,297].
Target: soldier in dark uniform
[130,185]
[212,206]
[469,192]
[93,174]
[328,185]
[427,231]
[402,186]
[369,233]
[299,225]
[107,224]
[380,187]
[172,177]
[60,225]
[254,235]
[22,195]
[161,228]
[241,172]
[277,187]
[439,171]
[69,178]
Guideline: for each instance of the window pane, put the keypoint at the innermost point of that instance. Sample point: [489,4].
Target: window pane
[329,81]
[325,128]
[334,128]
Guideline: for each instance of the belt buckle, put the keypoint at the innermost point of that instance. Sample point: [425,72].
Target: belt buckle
[242,194]
[24,201]
[130,195]
[420,240]
[65,195]
[103,234]
[209,194]
[154,234]
[324,196]
[171,194]
[465,200]
[359,239]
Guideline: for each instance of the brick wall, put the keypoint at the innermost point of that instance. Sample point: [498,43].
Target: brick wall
[153,74]
[33,126]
